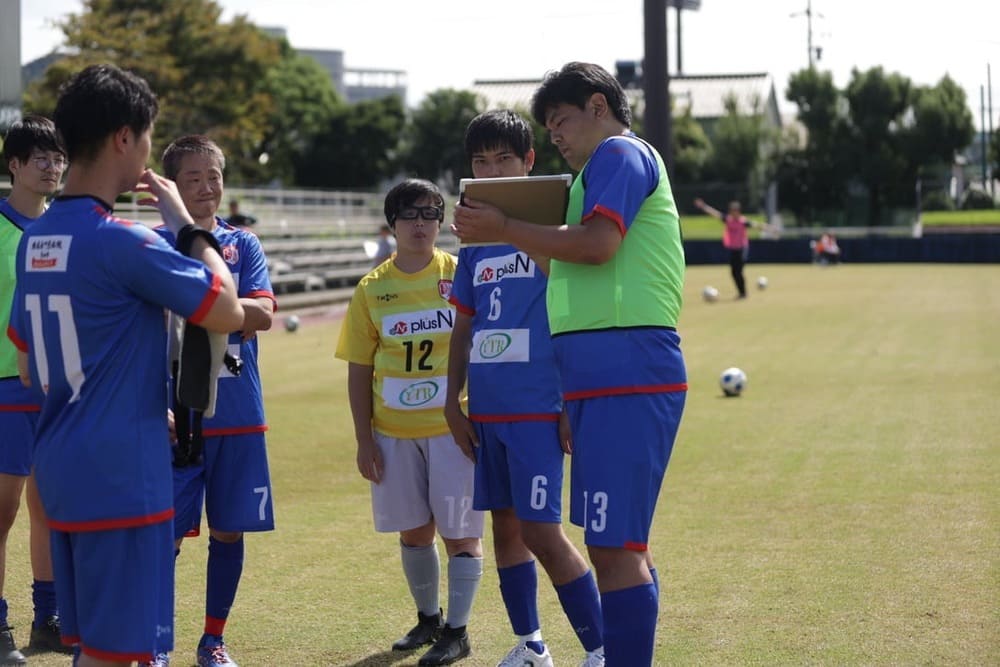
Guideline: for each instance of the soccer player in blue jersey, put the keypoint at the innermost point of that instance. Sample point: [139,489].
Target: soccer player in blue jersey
[501,340]
[231,477]
[36,160]
[87,319]
[613,298]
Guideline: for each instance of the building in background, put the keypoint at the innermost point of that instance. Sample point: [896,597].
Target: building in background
[10,62]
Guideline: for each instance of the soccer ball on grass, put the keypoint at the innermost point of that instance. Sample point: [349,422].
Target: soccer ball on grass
[762,283]
[292,323]
[733,381]
[710,294]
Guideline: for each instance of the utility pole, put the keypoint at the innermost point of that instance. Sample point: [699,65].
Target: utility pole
[989,137]
[656,80]
[982,125]
[808,13]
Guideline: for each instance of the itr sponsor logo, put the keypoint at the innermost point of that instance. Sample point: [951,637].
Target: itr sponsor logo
[494,345]
[419,393]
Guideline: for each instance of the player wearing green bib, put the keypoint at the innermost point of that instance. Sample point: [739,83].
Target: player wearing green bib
[613,299]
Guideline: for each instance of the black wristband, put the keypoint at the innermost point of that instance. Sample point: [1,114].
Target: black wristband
[188,233]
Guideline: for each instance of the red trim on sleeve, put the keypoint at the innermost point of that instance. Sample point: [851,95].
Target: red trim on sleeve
[263,293]
[111,524]
[607,213]
[624,391]
[14,338]
[460,307]
[499,419]
[206,304]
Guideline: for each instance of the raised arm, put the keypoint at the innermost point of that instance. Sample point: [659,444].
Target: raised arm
[705,208]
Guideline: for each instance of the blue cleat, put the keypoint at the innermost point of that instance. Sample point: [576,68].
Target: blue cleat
[212,653]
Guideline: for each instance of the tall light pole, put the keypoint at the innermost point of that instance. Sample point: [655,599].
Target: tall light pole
[681,5]
[655,80]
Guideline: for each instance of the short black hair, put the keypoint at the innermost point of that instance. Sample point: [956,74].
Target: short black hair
[98,101]
[574,84]
[497,129]
[406,194]
[191,144]
[30,133]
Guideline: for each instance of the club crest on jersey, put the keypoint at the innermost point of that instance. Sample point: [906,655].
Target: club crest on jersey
[444,289]
[495,269]
[231,254]
[48,253]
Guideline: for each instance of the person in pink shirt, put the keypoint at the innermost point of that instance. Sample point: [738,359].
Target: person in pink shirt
[734,239]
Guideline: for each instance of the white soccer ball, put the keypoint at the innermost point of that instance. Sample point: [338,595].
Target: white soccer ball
[710,294]
[733,381]
[292,323]
[762,282]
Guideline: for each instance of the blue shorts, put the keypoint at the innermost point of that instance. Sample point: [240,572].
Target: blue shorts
[115,590]
[520,465]
[621,447]
[232,482]
[18,430]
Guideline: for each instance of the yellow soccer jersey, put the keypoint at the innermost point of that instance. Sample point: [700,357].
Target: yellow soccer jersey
[401,324]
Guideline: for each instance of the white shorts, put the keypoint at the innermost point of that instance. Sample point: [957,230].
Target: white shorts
[424,479]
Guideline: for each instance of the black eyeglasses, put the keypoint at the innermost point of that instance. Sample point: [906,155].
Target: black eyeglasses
[424,212]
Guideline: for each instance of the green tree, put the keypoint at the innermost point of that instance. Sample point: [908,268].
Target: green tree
[209,76]
[812,175]
[692,149]
[434,139]
[877,103]
[305,104]
[357,148]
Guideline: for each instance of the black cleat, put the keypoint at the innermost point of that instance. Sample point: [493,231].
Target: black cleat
[46,637]
[426,631]
[451,647]
[9,655]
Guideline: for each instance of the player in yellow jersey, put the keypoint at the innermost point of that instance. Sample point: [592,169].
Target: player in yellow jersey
[395,339]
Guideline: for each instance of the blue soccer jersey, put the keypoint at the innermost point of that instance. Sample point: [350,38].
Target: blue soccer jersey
[88,310]
[239,404]
[512,371]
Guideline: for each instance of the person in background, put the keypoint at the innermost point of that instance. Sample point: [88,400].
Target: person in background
[734,239]
[36,160]
[385,245]
[237,219]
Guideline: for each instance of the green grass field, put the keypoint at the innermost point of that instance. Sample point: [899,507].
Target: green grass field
[844,511]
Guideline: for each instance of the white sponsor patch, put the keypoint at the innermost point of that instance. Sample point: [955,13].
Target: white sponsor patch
[47,253]
[414,394]
[495,269]
[496,346]
[437,320]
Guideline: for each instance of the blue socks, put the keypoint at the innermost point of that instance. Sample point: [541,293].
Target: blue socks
[519,589]
[43,596]
[581,603]
[225,566]
[630,625]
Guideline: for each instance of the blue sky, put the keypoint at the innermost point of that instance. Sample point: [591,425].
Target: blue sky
[449,43]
